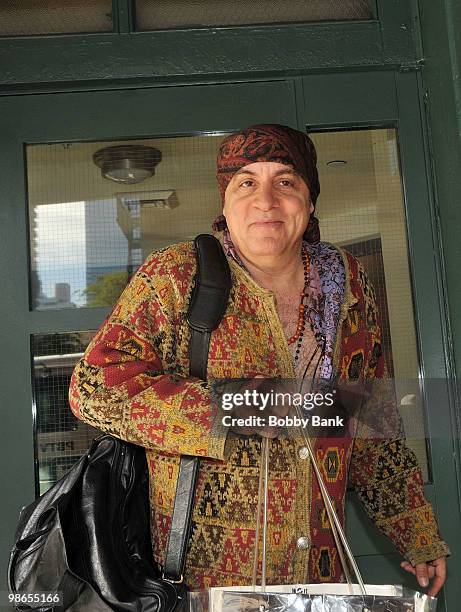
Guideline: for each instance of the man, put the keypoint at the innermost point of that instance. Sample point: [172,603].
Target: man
[299,308]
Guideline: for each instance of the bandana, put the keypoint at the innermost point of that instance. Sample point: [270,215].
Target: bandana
[268,143]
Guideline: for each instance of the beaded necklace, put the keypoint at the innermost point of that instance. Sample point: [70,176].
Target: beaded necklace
[301,324]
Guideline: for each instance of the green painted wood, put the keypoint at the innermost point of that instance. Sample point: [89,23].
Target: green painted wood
[432,329]
[399,26]
[207,53]
[166,56]
[48,322]
[123,16]
[356,99]
[169,111]
[17,449]
[441,40]
[374,8]
[425,249]
[442,50]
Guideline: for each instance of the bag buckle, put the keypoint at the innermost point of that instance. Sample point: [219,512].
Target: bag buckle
[171,579]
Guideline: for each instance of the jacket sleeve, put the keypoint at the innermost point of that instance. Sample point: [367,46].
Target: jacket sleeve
[132,383]
[385,472]
[389,483]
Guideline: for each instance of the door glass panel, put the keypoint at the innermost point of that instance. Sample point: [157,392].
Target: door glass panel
[29,17]
[361,208]
[164,14]
[89,233]
[60,437]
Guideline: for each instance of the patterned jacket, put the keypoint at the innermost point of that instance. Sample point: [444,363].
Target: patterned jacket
[133,382]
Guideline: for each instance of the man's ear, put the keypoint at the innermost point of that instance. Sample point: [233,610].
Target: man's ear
[311,206]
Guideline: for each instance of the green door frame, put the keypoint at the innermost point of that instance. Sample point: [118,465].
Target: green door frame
[318,101]
[394,98]
[126,57]
[79,117]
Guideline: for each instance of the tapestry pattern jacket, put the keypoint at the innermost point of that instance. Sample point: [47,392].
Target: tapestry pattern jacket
[133,382]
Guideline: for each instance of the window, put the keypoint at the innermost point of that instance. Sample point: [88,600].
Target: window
[29,17]
[361,208]
[60,437]
[164,14]
[89,234]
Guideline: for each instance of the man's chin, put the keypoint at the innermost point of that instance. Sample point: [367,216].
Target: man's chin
[266,247]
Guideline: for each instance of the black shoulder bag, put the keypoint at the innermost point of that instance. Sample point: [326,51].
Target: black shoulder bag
[88,536]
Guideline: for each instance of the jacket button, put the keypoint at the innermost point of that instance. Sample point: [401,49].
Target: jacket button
[303,543]
[303,452]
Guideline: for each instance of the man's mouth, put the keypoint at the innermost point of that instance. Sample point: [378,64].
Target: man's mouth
[268,223]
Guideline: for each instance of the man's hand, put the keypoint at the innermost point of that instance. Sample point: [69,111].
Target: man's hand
[425,572]
[262,384]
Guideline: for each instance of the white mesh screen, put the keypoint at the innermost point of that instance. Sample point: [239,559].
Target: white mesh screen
[163,14]
[361,208]
[89,233]
[29,17]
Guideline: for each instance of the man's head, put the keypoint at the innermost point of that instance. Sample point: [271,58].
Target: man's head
[269,185]
[268,143]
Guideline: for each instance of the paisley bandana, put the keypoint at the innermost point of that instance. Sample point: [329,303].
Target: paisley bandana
[268,143]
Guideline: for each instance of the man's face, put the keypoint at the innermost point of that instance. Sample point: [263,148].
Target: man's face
[267,209]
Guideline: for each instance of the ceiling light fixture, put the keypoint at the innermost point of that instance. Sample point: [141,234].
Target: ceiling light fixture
[127,164]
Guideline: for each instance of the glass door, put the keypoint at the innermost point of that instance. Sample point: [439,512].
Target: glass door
[377,203]
[72,237]
[88,234]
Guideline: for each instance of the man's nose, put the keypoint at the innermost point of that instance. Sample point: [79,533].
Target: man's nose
[266,198]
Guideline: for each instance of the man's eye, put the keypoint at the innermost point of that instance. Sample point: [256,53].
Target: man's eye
[286,182]
[247,183]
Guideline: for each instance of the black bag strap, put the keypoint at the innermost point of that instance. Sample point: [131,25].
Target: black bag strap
[209,299]
[207,306]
